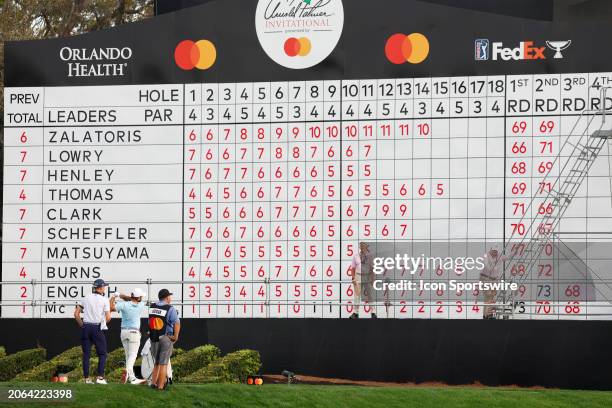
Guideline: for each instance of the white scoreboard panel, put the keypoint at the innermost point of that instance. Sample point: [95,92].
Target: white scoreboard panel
[249,199]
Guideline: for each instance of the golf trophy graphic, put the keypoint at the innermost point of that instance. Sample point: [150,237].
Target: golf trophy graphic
[558,46]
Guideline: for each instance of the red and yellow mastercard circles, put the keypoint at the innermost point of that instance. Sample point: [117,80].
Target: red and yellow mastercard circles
[155,323]
[189,54]
[401,48]
[297,46]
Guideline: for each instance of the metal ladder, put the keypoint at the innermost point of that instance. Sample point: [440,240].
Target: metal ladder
[525,252]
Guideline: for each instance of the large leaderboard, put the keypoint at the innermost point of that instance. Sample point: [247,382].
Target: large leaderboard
[241,170]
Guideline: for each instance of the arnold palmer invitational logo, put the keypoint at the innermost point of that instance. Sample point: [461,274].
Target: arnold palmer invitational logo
[299,34]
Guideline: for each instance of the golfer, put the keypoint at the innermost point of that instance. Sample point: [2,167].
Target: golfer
[92,314]
[361,274]
[164,328]
[131,309]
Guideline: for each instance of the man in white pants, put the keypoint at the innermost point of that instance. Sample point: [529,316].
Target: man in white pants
[131,311]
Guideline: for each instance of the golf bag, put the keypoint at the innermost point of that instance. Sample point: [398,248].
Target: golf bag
[148,363]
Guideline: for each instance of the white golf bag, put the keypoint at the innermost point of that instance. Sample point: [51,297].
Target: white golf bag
[146,367]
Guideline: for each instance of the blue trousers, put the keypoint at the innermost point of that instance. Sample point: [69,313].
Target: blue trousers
[92,334]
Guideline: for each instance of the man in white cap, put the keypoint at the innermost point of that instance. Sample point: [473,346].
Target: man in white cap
[131,312]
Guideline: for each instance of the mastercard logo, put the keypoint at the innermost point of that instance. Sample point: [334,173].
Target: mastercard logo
[155,323]
[401,48]
[200,54]
[297,47]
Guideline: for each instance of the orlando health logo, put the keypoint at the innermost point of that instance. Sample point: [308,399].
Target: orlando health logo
[189,54]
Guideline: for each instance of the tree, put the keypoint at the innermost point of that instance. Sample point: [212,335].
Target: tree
[31,19]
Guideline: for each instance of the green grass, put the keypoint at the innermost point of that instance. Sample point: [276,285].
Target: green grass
[222,395]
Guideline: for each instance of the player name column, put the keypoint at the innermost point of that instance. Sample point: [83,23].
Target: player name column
[112,194]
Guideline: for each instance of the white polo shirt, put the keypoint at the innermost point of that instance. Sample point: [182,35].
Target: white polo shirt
[95,307]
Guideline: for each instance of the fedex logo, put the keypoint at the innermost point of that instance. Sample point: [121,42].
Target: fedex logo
[525,51]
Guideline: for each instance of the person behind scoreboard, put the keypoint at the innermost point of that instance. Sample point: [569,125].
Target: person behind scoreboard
[164,328]
[361,273]
[92,314]
[131,309]
[491,272]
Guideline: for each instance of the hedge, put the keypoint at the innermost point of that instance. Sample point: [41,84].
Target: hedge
[2,352]
[115,375]
[16,363]
[114,359]
[193,360]
[232,368]
[68,361]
